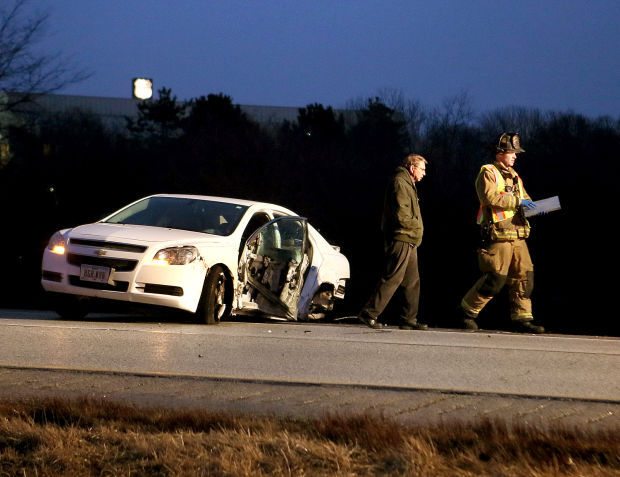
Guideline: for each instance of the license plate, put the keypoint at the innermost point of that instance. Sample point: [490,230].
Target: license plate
[94,273]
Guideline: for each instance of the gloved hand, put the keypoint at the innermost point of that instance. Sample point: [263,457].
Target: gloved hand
[528,204]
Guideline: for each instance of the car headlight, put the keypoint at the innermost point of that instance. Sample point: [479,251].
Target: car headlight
[57,244]
[176,256]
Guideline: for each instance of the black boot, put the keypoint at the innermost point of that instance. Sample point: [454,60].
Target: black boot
[468,323]
[528,327]
[413,326]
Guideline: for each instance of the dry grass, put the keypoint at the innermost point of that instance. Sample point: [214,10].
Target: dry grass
[85,437]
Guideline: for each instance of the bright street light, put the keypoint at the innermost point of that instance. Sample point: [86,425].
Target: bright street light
[142,88]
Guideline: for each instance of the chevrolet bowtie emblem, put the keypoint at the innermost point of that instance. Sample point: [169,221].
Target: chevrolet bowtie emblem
[100,252]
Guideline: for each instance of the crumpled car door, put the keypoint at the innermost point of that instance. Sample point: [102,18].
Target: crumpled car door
[272,267]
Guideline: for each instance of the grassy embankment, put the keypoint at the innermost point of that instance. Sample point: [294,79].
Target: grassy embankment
[83,437]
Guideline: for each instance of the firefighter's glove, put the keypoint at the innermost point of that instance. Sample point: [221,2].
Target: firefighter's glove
[528,204]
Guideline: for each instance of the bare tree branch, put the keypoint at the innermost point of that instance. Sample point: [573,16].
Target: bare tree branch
[24,71]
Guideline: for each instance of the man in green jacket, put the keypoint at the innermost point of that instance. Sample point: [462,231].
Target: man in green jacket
[402,232]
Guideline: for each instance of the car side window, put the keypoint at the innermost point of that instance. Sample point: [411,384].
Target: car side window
[258,220]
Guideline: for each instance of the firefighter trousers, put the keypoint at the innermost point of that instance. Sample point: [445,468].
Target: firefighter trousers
[503,263]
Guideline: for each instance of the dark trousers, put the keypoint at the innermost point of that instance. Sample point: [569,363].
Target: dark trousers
[400,273]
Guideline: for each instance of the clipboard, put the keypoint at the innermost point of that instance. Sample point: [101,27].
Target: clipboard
[544,206]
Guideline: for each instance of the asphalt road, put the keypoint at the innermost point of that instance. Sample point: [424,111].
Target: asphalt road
[313,368]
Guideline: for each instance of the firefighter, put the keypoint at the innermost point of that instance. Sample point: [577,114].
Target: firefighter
[503,257]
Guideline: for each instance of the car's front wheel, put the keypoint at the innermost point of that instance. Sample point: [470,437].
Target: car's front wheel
[214,303]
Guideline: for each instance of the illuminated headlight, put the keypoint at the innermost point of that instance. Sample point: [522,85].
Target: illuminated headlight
[57,244]
[176,256]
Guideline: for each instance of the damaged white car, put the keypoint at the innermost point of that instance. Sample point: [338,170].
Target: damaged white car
[207,255]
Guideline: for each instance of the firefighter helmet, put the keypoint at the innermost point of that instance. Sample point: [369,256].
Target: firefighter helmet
[508,142]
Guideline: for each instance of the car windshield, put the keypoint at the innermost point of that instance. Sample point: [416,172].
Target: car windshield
[211,217]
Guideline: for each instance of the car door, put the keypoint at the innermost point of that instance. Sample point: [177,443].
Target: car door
[272,267]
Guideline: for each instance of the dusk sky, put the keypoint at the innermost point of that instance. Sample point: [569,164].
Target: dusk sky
[553,55]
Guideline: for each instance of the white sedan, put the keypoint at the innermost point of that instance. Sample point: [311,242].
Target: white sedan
[208,255]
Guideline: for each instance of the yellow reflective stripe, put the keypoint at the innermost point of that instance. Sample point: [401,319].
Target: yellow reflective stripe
[506,234]
[510,234]
[479,216]
[497,214]
[469,310]
[520,316]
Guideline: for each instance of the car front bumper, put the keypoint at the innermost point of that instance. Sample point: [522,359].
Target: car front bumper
[175,286]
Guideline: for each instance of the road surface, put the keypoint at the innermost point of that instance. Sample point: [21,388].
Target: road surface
[286,367]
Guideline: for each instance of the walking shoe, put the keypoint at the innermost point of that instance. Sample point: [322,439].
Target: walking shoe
[469,324]
[528,327]
[369,321]
[414,326]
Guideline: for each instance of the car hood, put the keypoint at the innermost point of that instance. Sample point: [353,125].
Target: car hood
[141,233]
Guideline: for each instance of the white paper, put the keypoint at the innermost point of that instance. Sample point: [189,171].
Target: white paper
[545,205]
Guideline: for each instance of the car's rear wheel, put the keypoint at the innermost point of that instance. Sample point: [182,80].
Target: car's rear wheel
[214,302]
[70,307]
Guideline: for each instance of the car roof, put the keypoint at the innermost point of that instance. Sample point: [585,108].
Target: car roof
[230,200]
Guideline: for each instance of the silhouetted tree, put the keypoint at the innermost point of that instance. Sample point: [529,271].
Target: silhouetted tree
[65,171]
[158,120]
[378,139]
[412,111]
[224,152]
[525,121]
[311,159]
[24,69]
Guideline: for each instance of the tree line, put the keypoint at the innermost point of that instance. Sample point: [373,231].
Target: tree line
[332,166]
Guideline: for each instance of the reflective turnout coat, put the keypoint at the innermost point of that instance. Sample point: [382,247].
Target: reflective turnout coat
[500,191]
[505,260]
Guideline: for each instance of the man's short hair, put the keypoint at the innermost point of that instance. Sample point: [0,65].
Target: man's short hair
[413,160]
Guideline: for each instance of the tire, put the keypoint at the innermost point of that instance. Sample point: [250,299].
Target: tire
[322,304]
[70,307]
[214,302]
